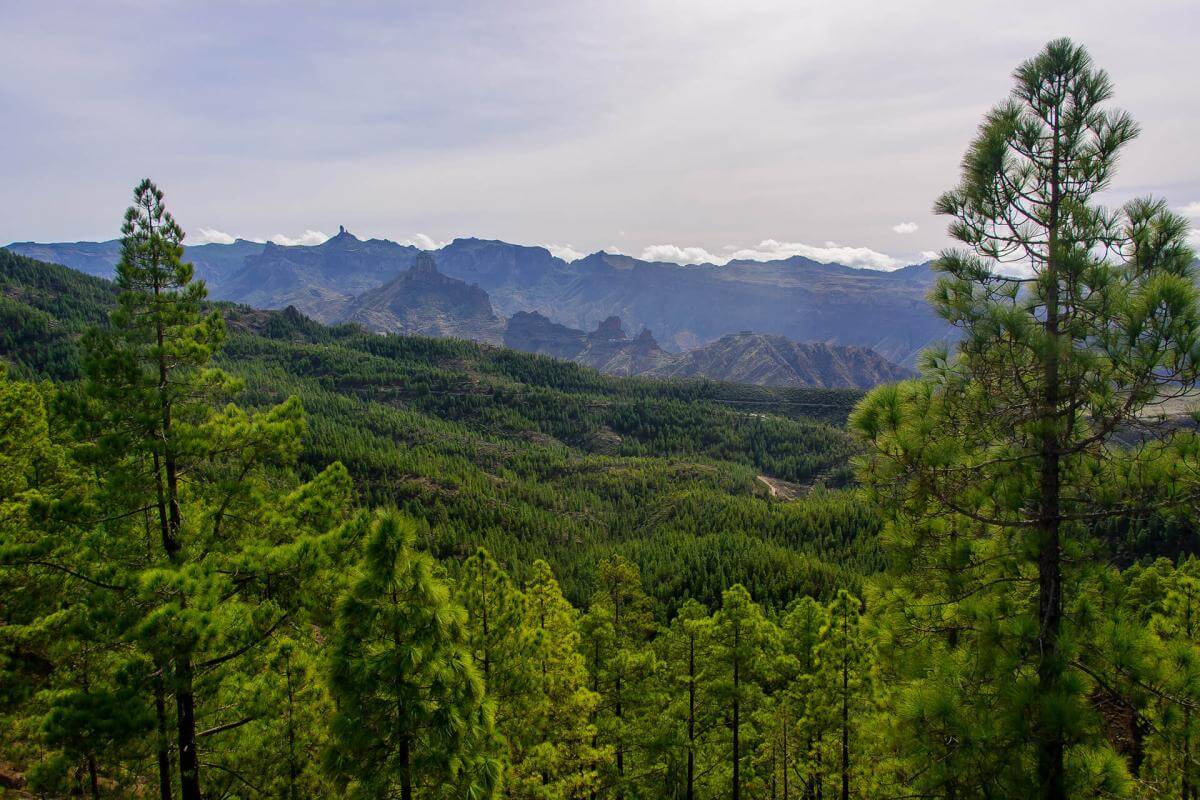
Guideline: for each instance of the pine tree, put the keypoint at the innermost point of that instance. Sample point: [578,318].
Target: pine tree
[61,664]
[843,680]
[1073,321]
[743,641]
[801,702]
[616,630]
[411,707]
[560,761]
[234,555]
[688,713]
[497,637]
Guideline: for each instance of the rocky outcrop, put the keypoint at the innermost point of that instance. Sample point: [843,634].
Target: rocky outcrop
[424,302]
[532,332]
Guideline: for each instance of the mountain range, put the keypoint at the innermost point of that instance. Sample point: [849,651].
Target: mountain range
[812,323]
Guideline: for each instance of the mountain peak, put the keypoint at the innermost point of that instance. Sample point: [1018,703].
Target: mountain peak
[610,328]
[424,265]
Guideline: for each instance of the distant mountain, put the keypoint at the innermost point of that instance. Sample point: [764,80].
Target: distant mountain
[750,358]
[608,348]
[423,301]
[215,263]
[772,360]
[320,280]
[688,306]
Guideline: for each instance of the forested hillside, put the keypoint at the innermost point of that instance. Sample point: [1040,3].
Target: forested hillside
[532,457]
[247,555]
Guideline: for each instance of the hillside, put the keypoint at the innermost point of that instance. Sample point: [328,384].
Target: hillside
[686,306]
[422,301]
[528,455]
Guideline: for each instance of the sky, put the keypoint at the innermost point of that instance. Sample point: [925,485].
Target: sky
[681,130]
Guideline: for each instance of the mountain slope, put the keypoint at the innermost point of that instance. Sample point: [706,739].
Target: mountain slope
[423,301]
[766,360]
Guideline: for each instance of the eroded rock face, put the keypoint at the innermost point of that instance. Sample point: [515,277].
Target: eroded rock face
[532,332]
[425,302]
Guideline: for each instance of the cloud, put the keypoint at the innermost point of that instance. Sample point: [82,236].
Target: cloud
[211,236]
[929,255]
[831,252]
[309,237]
[679,255]
[1191,210]
[423,242]
[905,227]
[774,250]
[564,251]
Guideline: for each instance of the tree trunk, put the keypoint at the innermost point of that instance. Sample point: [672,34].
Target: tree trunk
[1050,745]
[163,748]
[405,770]
[185,702]
[691,756]
[737,717]
[620,744]
[785,757]
[293,768]
[845,729]
[1185,784]
[93,778]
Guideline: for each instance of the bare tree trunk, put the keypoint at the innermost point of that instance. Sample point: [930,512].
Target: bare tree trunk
[405,770]
[185,703]
[1050,745]
[163,748]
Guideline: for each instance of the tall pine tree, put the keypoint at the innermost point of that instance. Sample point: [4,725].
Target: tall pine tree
[1074,320]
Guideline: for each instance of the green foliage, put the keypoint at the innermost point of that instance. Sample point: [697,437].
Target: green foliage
[411,711]
[993,467]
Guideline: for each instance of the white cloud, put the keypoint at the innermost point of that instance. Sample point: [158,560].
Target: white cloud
[309,237]
[679,255]
[423,242]
[1192,210]
[929,255]
[774,250]
[831,252]
[564,251]
[211,236]
[905,227]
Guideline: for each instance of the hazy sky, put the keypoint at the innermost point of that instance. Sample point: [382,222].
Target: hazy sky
[682,130]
